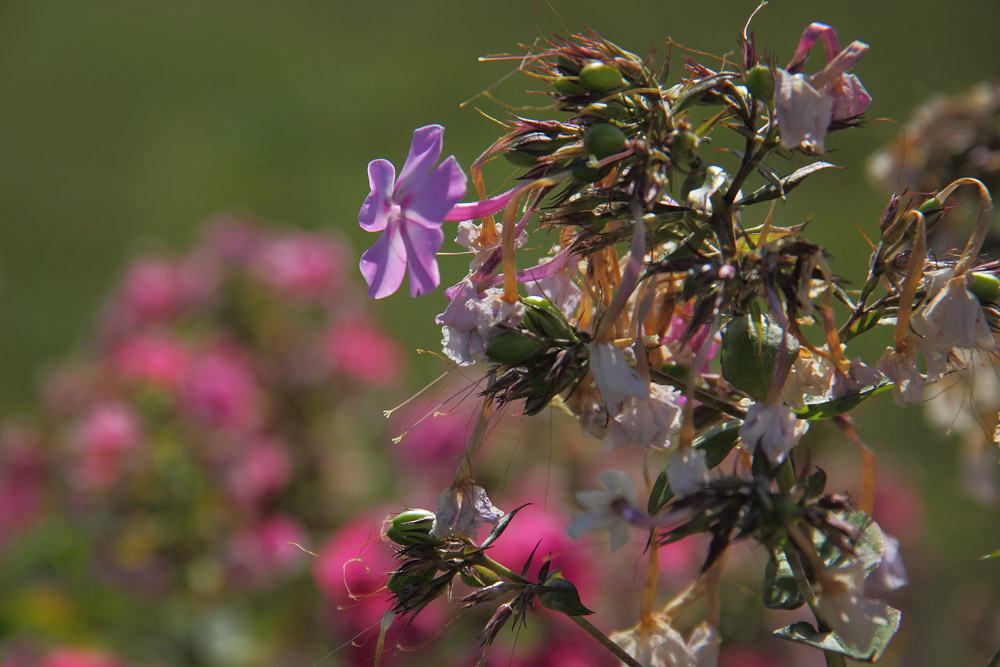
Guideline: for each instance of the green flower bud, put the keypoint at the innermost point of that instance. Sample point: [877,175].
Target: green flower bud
[513,347]
[412,527]
[598,77]
[683,146]
[543,318]
[603,139]
[760,82]
[398,580]
[932,205]
[584,173]
[985,286]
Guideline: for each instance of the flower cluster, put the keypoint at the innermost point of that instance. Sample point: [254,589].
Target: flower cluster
[673,316]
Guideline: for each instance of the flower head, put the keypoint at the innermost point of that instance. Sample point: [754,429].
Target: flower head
[773,427]
[613,509]
[462,509]
[805,105]
[409,212]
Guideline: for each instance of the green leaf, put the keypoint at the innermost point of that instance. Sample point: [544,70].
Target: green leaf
[804,633]
[868,548]
[785,185]
[660,494]
[560,595]
[751,347]
[693,94]
[829,409]
[780,589]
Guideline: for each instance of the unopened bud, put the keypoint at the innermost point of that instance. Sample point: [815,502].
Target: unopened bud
[603,139]
[568,86]
[542,317]
[985,286]
[412,527]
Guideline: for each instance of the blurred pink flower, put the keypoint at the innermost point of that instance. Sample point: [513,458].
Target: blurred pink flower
[263,552]
[221,389]
[231,239]
[102,441]
[22,472]
[74,657]
[259,471]
[301,266]
[899,509]
[156,359]
[357,347]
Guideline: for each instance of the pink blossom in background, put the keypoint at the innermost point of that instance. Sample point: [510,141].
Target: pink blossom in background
[221,389]
[72,657]
[261,553]
[232,240]
[156,359]
[102,441]
[22,472]
[432,441]
[357,347]
[153,289]
[301,266]
[259,472]
[898,507]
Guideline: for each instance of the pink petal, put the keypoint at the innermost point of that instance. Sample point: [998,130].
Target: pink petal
[809,37]
[374,213]
[481,209]
[850,99]
[434,195]
[425,149]
[384,264]
[421,245]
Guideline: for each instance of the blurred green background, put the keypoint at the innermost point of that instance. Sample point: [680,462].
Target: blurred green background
[125,124]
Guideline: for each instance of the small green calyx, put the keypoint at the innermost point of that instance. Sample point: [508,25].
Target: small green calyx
[411,528]
[542,317]
[514,347]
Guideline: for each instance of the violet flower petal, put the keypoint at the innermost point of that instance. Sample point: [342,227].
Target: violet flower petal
[421,245]
[378,205]
[437,193]
[384,264]
[425,149]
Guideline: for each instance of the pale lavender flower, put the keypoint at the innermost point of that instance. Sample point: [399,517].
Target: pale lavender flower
[409,212]
[472,318]
[774,427]
[805,105]
[612,509]
[890,575]
[462,509]
[902,367]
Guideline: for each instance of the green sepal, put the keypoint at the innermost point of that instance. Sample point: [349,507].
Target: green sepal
[514,347]
[784,185]
[804,633]
[560,595]
[780,588]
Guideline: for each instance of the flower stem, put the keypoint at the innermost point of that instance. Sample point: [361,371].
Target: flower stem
[605,641]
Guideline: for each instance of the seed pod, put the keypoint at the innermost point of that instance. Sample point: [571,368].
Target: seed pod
[985,286]
[760,83]
[543,318]
[513,347]
[603,139]
[598,77]
[568,86]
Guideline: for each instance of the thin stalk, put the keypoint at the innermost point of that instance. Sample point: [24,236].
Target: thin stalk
[605,641]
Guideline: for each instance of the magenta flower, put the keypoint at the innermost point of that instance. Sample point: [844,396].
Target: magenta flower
[409,212]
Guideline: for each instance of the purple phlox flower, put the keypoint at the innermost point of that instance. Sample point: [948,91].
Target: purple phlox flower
[409,212]
[806,105]
[462,509]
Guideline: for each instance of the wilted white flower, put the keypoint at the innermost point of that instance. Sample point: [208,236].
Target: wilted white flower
[854,618]
[810,380]
[953,317]
[645,422]
[903,369]
[462,509]
[473,318]
[890,575]
[774,427]
[657,644]
[687,472]
[700,199]
[559,288]
[614,508]
[614,377]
